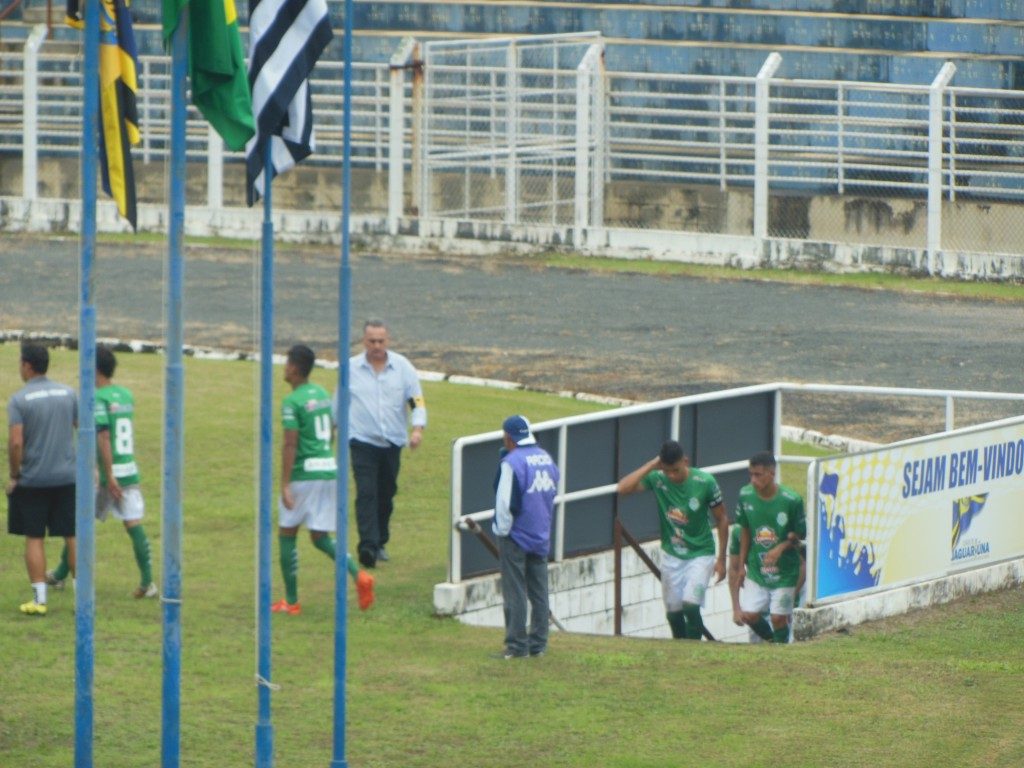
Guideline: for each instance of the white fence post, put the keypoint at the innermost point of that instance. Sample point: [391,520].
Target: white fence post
[396,131]
[30,114]
[586,128]
[761,111]
[935,122]
[214,169]
[421,87]
[512,134]
[600,116]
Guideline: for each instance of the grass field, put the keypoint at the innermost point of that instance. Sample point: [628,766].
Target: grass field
[940,687]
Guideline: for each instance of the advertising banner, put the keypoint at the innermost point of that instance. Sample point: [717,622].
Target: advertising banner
[920,510]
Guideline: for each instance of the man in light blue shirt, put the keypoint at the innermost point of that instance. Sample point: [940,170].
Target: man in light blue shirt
[386,397]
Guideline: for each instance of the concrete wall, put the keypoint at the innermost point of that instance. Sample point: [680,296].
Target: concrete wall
[582,596]
[583,599]
[643,220]
[894,602]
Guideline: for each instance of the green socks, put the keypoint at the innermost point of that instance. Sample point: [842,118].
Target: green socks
[140,545]
[694,623]
[326,544]
[61,571]
[781,635]
[289,568]
[763,629]
[677,623]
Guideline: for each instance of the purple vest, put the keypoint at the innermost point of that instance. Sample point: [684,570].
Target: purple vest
[533,498]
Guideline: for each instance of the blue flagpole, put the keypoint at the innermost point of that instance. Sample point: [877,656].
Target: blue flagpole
[174,408]
[85,498]
[344,330]
[264,726]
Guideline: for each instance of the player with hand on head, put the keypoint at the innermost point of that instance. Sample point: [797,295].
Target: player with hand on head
[686,497]
[772,525]
[308,479]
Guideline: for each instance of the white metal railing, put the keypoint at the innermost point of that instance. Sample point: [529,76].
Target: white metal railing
[460,517]
[500,128]
[542,142]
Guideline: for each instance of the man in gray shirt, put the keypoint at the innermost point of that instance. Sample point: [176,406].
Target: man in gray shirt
[41,417]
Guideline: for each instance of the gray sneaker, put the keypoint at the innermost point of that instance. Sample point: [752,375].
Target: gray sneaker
[53,582]
[382,555]
[505,654]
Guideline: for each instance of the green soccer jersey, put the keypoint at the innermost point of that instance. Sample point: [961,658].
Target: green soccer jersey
[115,411]
[770,521]
[684,509]
[308,410]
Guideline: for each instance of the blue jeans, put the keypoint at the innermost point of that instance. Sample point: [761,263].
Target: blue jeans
[523,577]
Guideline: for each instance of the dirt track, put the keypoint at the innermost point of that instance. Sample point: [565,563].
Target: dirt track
[624,335]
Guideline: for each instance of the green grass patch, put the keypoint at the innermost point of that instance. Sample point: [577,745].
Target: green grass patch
[941,687]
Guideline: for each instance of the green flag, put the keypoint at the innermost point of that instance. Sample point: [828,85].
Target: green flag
[220,83]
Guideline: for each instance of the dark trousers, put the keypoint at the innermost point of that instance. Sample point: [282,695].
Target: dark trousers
[524,580]
[376,474]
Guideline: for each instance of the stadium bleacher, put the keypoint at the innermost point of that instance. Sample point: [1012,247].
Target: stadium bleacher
[898,41]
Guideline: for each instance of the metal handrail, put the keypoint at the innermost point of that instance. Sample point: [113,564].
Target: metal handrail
[9,9]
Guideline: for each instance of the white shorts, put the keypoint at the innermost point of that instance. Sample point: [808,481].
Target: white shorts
[755,598]
[129,508]
[684,581]
[315,506]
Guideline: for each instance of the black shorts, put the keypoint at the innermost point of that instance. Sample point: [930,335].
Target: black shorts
[33,511]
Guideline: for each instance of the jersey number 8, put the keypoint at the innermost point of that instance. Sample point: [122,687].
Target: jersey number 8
[123,442]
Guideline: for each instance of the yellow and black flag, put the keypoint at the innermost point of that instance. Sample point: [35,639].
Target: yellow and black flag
[119,117]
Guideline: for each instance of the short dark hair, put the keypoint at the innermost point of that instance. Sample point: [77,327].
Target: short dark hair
[763,459]
[374,322]
[106,363]
[36,356]
[671,452]
[302,357]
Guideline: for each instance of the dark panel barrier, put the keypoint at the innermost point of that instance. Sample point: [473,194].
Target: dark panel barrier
[476,560]
[639,515]
[599,452]
[589,463]
[588,525]
[733,429]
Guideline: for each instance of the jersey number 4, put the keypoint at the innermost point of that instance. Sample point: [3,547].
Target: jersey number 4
[322,427]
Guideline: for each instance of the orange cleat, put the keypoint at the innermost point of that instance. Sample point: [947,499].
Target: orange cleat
[283,606]
[364,586]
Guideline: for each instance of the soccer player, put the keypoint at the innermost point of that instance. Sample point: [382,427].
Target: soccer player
[686,496]
[118,493]
[772,525]
[308,479]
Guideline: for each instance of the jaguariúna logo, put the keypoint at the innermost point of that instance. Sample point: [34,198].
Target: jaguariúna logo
[677,516]
[766,537]
[965,510]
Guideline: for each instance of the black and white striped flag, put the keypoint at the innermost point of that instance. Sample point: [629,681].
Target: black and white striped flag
[286,37]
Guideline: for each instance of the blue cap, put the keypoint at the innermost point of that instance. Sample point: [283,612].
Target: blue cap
[518,430]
